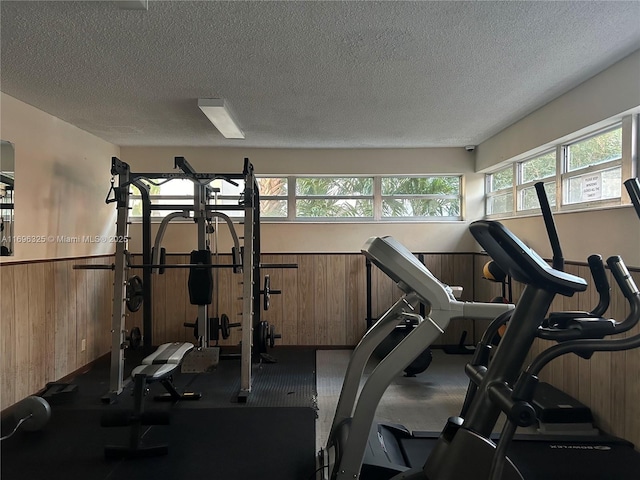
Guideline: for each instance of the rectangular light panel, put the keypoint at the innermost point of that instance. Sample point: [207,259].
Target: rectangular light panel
[217,111]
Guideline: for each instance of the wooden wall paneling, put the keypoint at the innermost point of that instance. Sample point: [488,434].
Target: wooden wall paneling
[81,313]
[434,263]
[37,334]
[356,299]
[453,333]
[321,321]
[92,310]
[306,301]
[447,269]
[8,336]
[463,274]
[23,331]
[336,300]
[601,389]
[72,322]
[105,293]
[49,320]
[381,291]
[629,409]
[289,301]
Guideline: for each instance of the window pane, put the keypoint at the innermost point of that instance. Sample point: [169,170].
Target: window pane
[420,207]
[273,208]
[529,197]
[327,208]
[337,186]
[595,150]
[501,179]
[500,203]
[593,186]
[272,186]
[537,168]
[421,186]
[227,188]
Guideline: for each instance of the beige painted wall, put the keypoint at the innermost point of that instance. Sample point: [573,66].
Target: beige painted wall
[614,231]
[611,94]
[607,97]
[325,237]
[62,178]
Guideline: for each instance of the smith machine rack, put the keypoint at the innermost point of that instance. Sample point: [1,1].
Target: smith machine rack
[256,334]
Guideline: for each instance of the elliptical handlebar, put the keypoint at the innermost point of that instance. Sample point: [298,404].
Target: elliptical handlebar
[558,259]
[585,347]
[633,187]
[599,275]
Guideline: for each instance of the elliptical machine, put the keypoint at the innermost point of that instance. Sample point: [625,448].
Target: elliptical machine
[465,448]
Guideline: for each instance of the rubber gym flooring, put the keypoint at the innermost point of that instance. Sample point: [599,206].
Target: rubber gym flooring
[271,437]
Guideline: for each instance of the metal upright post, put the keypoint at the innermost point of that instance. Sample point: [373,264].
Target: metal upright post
[248,281]
[147,305]
[118,334]
[200,217]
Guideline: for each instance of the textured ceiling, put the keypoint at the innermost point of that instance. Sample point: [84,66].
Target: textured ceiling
[306,74]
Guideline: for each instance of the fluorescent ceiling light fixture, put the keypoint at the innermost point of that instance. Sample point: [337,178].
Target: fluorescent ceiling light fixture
[217,111]
[133,4]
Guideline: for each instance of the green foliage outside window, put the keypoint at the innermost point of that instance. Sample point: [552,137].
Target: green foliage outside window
[404,196]
[501,179]
[595,150]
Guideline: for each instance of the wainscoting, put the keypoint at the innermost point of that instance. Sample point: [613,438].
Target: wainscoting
[47,309]
[323,301]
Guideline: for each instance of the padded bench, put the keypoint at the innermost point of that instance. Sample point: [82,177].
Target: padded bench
[157,367]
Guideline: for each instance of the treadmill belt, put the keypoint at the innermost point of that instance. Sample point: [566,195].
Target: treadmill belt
[575,460]
[611,459]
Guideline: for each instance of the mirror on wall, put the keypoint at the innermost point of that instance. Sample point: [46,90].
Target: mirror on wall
[7,184]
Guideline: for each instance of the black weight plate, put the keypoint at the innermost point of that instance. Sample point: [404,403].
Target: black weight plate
[134,293]
[135,338]
[266,302]
[224,326]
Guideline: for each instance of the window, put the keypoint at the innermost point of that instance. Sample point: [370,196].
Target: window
[499,190]
[273,197]
[325,198]
[594,168]
[416,197]
[537,169]
[180,191]
[587,172]
[334,197]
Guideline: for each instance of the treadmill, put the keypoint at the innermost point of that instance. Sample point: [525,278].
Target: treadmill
[355,413]
[381,451]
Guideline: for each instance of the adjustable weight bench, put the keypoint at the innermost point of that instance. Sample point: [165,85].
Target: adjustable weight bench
[157,367]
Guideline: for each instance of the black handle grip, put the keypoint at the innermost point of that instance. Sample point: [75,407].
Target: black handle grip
[622,276]
[558,258]
[633,187]
[596,265]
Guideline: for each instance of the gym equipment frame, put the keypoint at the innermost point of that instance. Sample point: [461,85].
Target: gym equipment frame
[246,257]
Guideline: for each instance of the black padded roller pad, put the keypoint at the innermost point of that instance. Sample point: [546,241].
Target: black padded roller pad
[200,278]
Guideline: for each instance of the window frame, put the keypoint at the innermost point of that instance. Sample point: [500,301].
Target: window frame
[500,192]
[292,198]
[630,143]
